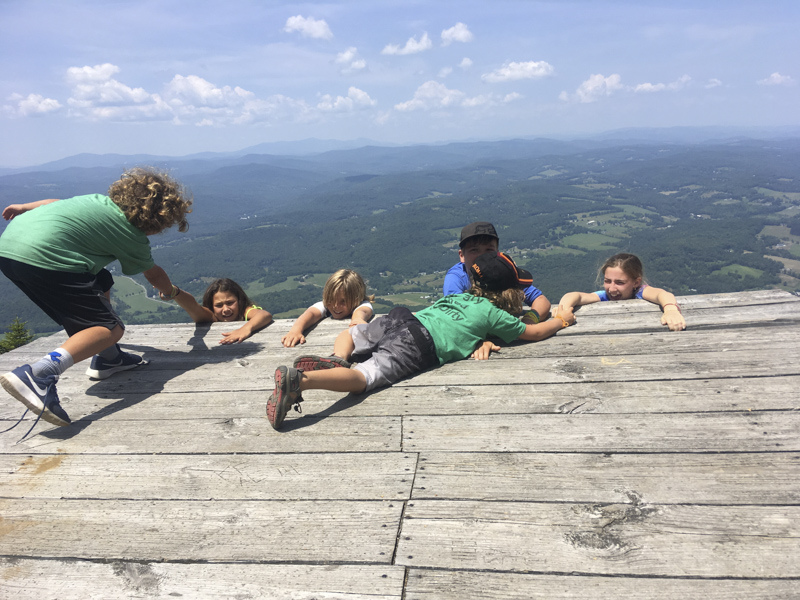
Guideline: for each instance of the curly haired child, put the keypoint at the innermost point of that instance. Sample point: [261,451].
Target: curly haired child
[224,300]
[56,255]
[344,296]
[623,279]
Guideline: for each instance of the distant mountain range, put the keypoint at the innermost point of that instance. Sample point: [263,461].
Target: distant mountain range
[281,153]
[708,215]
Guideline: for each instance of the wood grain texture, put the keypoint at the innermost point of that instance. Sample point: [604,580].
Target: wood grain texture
[614,460]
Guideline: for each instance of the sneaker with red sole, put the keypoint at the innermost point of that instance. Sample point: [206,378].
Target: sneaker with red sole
[309,362]
[285,395]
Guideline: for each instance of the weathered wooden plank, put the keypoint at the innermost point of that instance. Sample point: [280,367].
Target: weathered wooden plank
[595,321]
[352,476]
[432,584]
[256,375]
[414,396]
[214,436]
[22,579]
[701,432]
[618,367]
[230,531]
[758,301]
[615,539]
[724,479]
[768,338]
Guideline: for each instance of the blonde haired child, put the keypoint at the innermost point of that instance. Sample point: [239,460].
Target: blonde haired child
[344,296]
[224,300]
[57,255]
[623,279]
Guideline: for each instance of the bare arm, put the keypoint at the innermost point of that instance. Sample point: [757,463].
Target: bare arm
[195,310]
[571,300]
[540,331]
[303,322]
[361,315]
[13,210]
[672,316]
[257,320]
[542,307]
[158,278]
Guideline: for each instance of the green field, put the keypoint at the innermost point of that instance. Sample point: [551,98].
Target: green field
[740,270]
[590,241]
[133,294]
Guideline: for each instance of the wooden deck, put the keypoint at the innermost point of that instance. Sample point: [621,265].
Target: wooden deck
[616,460]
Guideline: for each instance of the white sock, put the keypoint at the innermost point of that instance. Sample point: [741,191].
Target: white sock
[53,363]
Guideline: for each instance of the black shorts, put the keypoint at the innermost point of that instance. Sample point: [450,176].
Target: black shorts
[76,301]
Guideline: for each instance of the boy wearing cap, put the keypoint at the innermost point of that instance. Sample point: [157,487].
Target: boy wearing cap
[401,344]
[476,239]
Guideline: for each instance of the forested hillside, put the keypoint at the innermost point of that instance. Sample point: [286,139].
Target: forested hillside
[704,218]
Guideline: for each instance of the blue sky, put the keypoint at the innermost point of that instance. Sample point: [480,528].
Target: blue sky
[181,76]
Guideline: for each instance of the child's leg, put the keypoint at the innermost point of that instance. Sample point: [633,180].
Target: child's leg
[343,346]
[91,341]
[335,380]
[78,347]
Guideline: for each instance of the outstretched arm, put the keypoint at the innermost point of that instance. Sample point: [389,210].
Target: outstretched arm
[571,300]
[158,278]
[257,319]
[303,322]
[195,310]
[361,315]
[14,210]
[672,316]
[541,331]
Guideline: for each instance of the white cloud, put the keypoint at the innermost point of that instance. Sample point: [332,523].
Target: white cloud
[190,99]
[650,87]
[32,105]
[712,83]
[347,56]
[457,33]
[355,99]
[412,46]
[97,95]
[465,64]
[196,91]
[519,70]
[431,94]
[351,61]
[594,88]
[777,79]
[308,27]
[678,84]
[444,72]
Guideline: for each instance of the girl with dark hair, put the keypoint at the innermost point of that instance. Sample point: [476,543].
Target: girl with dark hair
[224,300]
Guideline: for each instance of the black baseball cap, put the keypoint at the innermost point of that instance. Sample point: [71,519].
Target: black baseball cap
[497,271]
[475,229]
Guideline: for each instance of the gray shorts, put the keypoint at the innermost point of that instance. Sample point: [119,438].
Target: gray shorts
[398,346]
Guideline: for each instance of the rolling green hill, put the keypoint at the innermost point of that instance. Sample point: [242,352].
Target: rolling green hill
[703,217]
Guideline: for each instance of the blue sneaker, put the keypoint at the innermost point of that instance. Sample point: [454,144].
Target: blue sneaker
[102,368]
[38,394]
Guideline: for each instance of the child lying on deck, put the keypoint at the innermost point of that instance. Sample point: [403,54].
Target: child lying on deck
[402,344]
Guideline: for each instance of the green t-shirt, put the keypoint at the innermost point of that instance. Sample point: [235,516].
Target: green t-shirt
[458,323]
[77,235]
